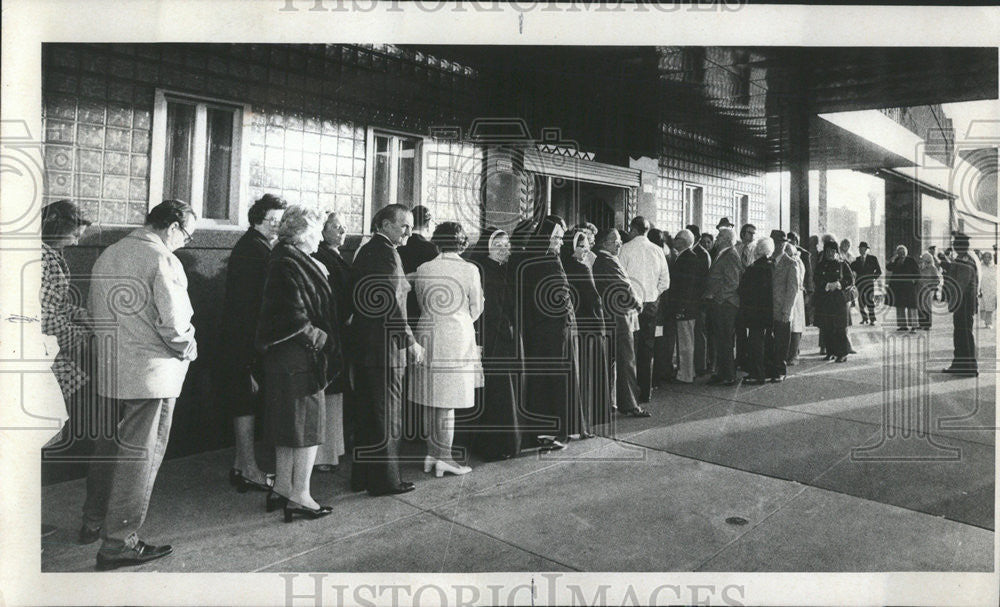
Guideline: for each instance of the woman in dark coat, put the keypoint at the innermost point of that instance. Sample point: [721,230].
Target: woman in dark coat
[493,426]
[299,340]
[547,327]
[904,272]
[756,307]
[236,386]
[339,270]
[833,277]
[591,340]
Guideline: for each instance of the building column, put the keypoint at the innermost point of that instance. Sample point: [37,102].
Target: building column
[903,216]
[821,223]
[798,169]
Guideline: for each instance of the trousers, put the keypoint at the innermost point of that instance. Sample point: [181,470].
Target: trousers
[379,428]
[120,479]
[645,339]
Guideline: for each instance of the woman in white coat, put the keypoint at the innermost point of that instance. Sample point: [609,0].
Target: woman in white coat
[798,318]
[987,289]
[450,295]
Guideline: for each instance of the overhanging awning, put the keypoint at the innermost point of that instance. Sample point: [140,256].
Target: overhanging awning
[578,169]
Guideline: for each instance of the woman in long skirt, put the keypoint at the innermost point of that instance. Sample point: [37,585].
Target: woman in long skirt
[548,323]
[493,425]
[591,339]
[832,278]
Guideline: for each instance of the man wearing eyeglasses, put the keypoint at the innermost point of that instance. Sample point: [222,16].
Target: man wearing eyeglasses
[142,315]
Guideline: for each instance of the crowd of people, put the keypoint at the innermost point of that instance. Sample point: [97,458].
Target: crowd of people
[527,339]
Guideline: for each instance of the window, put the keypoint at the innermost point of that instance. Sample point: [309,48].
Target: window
[196,155]
[742,210]
[395,169]
[693,211]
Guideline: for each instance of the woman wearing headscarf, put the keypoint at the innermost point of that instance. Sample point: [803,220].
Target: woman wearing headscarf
[832,278]
[903,274]
[299,339]
[547,327]
[592,344]
[927,285]
[988,289]
[494,425]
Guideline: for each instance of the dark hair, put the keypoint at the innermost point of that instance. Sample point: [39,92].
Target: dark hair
[421,216]
[167,212]
[450,237]
[961,242]
[603,235]
[793,238]
[267,202]
[830,244]
[708,235]
[695,231]
[668,239]
[639,224]
[520,236]
[586,225]
[387,213]
[655,236]
[61,218]
[743,230]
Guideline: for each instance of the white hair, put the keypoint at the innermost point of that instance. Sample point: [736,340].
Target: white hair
[297,221]
[764,247]
[684,236]
[726,238]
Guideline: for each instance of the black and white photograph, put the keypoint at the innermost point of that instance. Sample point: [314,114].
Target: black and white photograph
[477,304]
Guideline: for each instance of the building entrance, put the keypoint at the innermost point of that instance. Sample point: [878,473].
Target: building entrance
[579,201]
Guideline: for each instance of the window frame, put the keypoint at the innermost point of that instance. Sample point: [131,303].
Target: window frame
[418,170]
[740,220]
[689,218]
[239,182]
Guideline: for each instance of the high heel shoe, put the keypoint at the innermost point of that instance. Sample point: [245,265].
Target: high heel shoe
[441,467]
[273,501]
[429,464]
[244,484]
[309,513]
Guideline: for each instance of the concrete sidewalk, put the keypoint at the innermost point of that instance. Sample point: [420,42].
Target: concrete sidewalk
[756,478]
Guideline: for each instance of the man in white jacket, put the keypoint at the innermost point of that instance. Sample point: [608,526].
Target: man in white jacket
[142,314]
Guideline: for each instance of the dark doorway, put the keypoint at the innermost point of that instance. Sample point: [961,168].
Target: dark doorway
[579,201]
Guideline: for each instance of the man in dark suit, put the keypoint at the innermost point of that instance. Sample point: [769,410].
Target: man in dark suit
[619,302]
[807,293]
[867,270]
[702,346]
[417,250]
[964,274]
[686,293]
[383,343]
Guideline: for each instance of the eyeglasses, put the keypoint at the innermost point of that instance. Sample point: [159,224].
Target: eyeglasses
[187,235]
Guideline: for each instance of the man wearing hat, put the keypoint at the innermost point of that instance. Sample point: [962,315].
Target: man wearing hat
[724,223]
[785,287]
[867,269]
[964,272]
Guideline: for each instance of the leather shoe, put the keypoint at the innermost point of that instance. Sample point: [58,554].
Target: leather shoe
[136,555]
[959,371]
[402,487]
[88,535]
[637,412]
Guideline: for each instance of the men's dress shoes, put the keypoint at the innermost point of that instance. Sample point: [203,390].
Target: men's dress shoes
[731,382]
[778,379]
[638,412]
[402,487]
[88,535]
[136,555]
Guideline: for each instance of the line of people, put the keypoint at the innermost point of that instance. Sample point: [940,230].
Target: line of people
[527,340]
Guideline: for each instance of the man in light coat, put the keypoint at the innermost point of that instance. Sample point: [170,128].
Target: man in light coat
[142,314]
[646,266]
[785,287]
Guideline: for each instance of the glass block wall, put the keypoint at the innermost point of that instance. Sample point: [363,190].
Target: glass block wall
[318,163]
[453,172]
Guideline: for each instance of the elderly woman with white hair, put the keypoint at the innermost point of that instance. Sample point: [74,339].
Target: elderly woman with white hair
[756,307]
[300,343]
